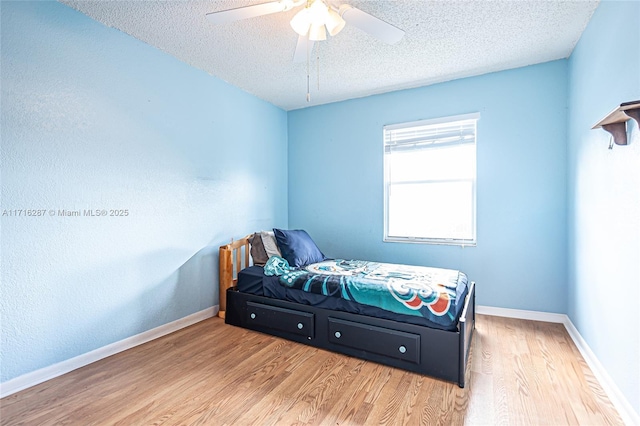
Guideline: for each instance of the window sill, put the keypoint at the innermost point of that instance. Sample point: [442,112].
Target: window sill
[441,242]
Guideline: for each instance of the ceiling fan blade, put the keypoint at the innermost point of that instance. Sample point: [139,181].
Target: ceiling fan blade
[302,46]
[370,24]
[245,12]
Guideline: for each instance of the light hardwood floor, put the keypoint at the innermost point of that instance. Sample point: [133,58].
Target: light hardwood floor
[522,372]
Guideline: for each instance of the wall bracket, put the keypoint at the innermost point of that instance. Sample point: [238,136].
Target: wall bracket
[616,121]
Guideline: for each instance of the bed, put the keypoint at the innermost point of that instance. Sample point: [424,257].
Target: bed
[428,345]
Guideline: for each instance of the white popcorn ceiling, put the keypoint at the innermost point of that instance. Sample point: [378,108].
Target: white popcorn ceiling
[444,40]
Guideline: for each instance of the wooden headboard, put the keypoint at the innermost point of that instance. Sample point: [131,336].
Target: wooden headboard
[233,258]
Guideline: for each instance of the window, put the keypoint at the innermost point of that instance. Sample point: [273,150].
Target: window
[430,181]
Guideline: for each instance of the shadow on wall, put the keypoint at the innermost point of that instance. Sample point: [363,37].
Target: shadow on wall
[151,299]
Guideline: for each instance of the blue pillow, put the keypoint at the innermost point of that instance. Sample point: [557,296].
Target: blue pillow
[297,247]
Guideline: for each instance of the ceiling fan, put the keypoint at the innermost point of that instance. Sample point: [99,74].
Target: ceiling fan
[314,21]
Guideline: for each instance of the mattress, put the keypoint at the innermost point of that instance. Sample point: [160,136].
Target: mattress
[254,281]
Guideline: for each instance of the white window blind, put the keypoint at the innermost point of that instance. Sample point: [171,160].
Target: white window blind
[430,181]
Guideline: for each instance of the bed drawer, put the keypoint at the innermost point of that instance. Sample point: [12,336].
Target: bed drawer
[276,318]
[382,341]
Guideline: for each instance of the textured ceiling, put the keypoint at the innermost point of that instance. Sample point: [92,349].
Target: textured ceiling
[444,40]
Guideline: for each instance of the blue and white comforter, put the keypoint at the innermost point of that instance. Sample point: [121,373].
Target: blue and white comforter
[432,293]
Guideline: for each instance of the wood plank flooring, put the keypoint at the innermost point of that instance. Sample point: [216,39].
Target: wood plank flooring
[522,373]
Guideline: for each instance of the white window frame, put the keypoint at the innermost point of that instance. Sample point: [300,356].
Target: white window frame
[430,143]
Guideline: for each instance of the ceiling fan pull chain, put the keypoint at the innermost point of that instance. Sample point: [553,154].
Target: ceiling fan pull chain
[308,85]
[318,64]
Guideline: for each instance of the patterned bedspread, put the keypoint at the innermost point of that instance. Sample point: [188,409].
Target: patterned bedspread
[432,293]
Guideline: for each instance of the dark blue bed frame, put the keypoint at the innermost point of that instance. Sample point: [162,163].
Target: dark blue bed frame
[437,353]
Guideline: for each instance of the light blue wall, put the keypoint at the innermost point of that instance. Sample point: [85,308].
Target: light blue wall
[94,119]
[336,181]
[604,195]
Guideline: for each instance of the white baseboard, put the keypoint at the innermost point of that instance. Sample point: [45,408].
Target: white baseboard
[521,314]
[626,411]
[47,373]
[620,402]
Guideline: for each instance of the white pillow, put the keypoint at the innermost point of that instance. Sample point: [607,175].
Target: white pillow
[270,244]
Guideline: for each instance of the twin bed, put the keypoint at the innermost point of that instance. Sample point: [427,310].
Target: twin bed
[415,318]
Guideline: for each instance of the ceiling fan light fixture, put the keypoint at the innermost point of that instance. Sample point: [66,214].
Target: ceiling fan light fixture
[315,20]
[334,22]
[319,12]
[317,32]
[301,22]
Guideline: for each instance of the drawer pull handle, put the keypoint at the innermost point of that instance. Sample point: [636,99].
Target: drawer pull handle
[300,326]
[402,349]
[253,316]
[338,334]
